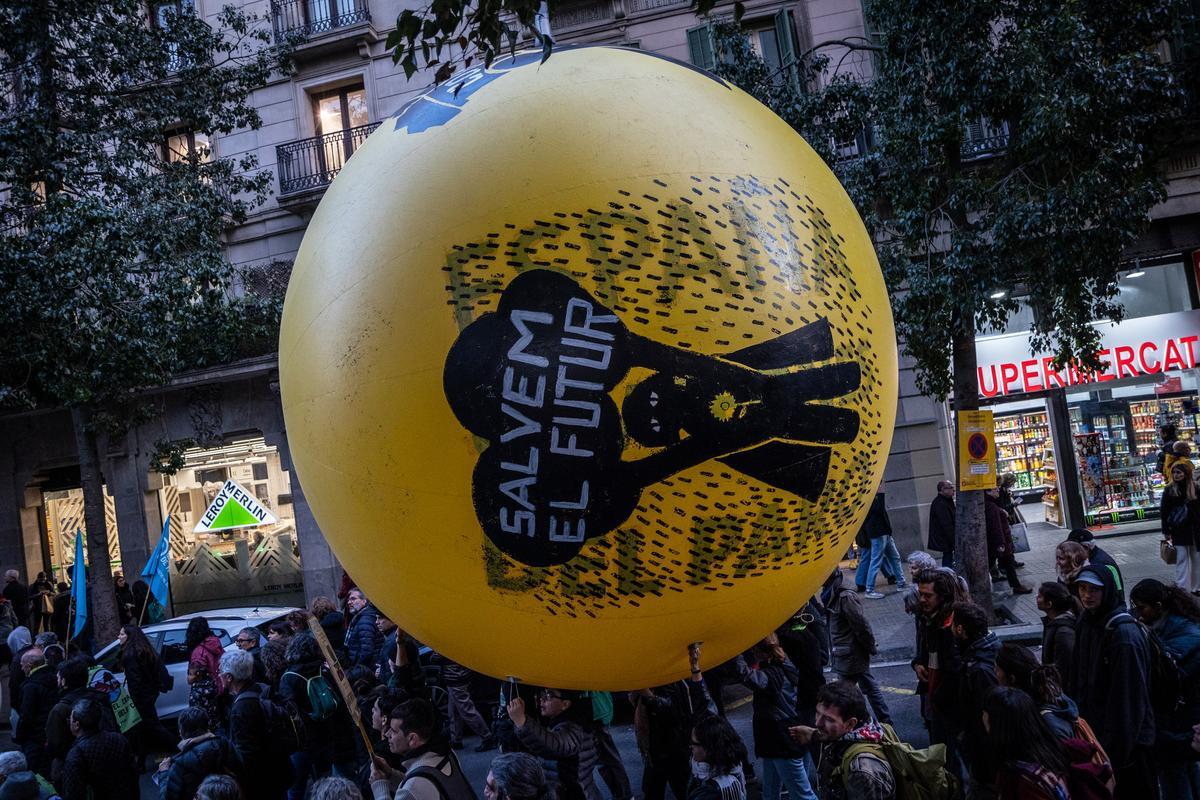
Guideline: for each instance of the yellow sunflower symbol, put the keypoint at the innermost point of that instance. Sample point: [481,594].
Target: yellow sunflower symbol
[723,406]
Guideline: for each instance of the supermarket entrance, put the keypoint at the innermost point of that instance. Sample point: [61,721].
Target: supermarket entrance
[1113,454]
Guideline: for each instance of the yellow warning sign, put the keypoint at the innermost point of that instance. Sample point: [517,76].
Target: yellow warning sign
[976,450]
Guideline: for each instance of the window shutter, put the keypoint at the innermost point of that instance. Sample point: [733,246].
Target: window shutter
[700,43]
[789,47]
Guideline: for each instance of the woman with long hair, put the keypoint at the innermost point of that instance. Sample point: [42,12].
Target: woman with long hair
[1180,515]
[1174,616]
[1019,668]
[1032,765]
[717,756]
[146,678]
[204,663]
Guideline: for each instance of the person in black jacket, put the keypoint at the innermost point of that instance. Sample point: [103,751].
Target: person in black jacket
[773,682]
[263,771]
[327,734]
[941,523]
[1180,515]
[662,720]
[878,527]
[18,595]
[1110,681]
[201,753]
[73,683]
[979,647]
[999,539]
[126,604]
[39,693]
[100,765]
[146,677]
[1058,626]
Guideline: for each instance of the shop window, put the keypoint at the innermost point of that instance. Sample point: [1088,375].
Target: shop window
[1146,291]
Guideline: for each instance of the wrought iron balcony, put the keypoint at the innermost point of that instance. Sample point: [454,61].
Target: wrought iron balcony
[309,164]
[308,17]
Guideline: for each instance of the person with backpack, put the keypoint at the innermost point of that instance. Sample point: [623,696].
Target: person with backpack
[564,742]
[1018,668]
[1174,619]
[1030,763]
[853,642]
[201,753]
[978,647]
[773,681]
[261,753]
[73,683]
[306,688]
[1111,682]
[851,761]
[431,771]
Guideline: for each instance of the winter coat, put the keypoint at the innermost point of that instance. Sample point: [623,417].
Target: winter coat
[39,693]
[878,523]
[977,677]
[263,774]
[807,647]
[1187,533]
[208,654]
[204,755]
[334,625]
[568,753]
[668,717]
[868,775]
[330,735]
[1110,676]
[853,640]
[1058,642]
[1181,637]
[1060,717]
[363,639]
[18,595]
[938,652]
[143,677]
[100,766]
[58,725]
[941,524]
[999,532]
[705,786]
[1101,558]
[774,686]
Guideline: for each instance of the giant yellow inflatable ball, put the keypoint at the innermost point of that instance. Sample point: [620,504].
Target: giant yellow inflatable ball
[585,361]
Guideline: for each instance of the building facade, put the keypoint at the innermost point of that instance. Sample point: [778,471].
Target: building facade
[226,423]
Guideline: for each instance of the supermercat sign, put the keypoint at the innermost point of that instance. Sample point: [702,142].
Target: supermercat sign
[1144,346]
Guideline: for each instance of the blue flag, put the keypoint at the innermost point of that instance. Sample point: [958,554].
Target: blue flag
[158,569]
[79,586]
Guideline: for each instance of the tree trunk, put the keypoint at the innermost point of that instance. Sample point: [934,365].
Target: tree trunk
[970,532]
[101,600]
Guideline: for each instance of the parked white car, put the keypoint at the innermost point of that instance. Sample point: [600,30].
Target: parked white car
[168,638]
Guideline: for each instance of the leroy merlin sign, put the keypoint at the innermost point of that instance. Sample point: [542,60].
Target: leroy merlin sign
[234,507]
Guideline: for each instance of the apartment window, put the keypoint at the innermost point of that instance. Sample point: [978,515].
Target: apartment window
[184,144]
[774,40]
[162,11]
[337,114]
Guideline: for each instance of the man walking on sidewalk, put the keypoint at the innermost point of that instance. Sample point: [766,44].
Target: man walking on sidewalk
[853,643]
[941,523]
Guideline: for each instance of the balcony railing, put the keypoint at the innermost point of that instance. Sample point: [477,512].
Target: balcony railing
[308,17]
[313,163]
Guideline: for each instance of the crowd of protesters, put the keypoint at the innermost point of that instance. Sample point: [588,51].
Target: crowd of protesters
[1109,707]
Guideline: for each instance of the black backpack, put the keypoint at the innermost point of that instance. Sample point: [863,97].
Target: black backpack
[285,731]
[1166,684]
[453,787]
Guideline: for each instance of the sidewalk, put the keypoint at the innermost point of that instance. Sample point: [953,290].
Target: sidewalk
[1136,553]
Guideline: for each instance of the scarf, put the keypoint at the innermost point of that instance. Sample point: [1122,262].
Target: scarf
[731,785]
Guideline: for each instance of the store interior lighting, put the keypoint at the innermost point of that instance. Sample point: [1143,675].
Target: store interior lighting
[999,294]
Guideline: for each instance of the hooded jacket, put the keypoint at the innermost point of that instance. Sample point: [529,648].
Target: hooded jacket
[774,687]
[208,654]
[978,676]
[1110,679]
[198,757]
[853,639]
[1060,717]
[1058,642]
